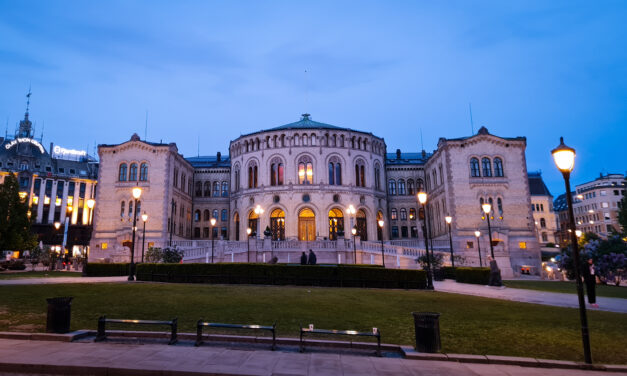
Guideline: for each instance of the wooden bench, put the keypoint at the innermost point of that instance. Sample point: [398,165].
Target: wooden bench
[340,332]
[103,320]
[200,324]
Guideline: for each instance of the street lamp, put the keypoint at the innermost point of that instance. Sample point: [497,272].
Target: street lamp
[259,211]
[564,158]
[354,232]
[213,223]
[381,223]
[422,199]
[137,192]
[477,235]
[248,232]
[578,233]
[144,219]
[57,225]
[90,204]
[448,220]
[487,208]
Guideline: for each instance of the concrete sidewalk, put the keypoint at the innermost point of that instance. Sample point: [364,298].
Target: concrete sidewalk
[110,358]
[529,296]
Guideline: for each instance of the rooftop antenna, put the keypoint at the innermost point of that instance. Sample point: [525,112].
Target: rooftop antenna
[146,127]
[41,139]
[28,99]
[472,124]
[198,145]
[422,146]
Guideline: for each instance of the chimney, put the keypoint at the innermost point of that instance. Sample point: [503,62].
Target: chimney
[398,153]
[219,156]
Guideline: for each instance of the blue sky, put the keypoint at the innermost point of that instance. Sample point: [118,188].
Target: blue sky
[210,71]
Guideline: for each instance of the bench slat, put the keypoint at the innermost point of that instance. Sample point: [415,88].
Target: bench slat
[236,326]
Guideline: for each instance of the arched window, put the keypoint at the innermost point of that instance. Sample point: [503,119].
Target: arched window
[224,215]
[206,215]
[336,223]
[401,188]
[410,187]
[216,189]
[486,166]
[412,213]
[207,189]
[143,172]
[335,171]
[122,174]
[474,168]
[197,216]
[276,172]
[277,224]
[377,176]
[360,174]
[305,170]
[403,214]
[393,214]
[542,223]
[130,208]
[498,167]
[183,182]
[198,189]
[215,214]
[122,204]
[331,173]
[225,189]
[419,185]
[392,187]
[176,178]
[499,203]
[252,175]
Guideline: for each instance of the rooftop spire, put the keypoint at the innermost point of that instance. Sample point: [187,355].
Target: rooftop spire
[26,125]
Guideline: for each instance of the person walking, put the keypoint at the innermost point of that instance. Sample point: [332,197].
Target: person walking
[590,279]
[312,258]
[303,259]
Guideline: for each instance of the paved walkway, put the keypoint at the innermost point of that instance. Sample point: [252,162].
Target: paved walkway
[529,296]
[52,280]
[89,358]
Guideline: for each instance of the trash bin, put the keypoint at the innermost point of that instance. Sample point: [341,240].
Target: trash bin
[59,310]
[427,326]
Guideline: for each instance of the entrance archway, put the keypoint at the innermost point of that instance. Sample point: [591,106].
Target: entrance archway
[379,229]
[336,223]
[306,225]
[277,224]
[253,220]
[362,229]
[236,220]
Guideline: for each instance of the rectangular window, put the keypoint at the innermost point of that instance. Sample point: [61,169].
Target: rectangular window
[404,233]
[522,245]
[394,232]
[470,245]
[104,246]
[603,193]
[224,234]
[607,216]
[605,205]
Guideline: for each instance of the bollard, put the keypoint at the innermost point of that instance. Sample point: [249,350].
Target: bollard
[427,327]
[59,310]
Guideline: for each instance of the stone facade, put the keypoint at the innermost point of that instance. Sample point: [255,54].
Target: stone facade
[545,218]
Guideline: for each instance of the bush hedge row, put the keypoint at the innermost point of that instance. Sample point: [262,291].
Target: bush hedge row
[479,276]
[449,272]
[302,275]
[107,270]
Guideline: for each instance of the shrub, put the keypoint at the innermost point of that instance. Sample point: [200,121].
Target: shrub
[16,264]
[449,272]
[478,276]
[106,270]
[303,275]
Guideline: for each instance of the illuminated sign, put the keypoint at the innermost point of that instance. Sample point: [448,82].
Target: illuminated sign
[62,153]
[24,140]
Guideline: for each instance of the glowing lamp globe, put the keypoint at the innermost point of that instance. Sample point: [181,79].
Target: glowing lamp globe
[564,157]
[422,197]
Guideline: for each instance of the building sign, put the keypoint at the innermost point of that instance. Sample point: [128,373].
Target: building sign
[23,140]
[69,154]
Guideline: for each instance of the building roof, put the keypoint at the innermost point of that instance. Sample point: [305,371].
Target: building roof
[135,137]
[536,184]
[484,131]
[305,123]
[207,161]
[400,158]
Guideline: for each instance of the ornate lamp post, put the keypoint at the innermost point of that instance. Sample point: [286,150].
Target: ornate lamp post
[248,232]
[259,211]
[448,220]
[213,224]
[478,235]
[144,219]
[354,232]
[381,223]
[487,208]
[564,158]
[137,192]
[422,199]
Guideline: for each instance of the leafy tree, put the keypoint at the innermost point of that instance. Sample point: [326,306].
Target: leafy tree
[622,215]
[172,255]
[609,257]
[35,255]
[15,231]
[154,255]
[436,261]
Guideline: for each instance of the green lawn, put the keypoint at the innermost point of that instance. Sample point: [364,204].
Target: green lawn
[37,274]
[567,287]
[468,324]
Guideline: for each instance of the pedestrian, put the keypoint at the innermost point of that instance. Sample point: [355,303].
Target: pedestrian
[312,258]
[590,279]
[303,259]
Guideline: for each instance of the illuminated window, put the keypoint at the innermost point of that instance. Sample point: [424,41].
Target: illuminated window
[522,245]
[305,171]
[104,246]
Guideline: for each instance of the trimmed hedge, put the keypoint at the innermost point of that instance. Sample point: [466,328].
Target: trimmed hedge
[478,276]
[107,270]
[449,272]
[300,275]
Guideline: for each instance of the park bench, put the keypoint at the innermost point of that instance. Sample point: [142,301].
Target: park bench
[103,320]
[202,324]
[304,331]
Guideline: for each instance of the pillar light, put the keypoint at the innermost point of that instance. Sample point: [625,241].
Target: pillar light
[578,233]
[90,203]
[448,219]
[477,233]
[354,230]
[381,223]
[57,225]
[137,192]
[422,197]
[144,217]
[564,157]
[249,230]
[213,221]
[487,207]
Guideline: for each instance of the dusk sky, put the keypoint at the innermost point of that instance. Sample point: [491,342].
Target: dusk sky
[210,71]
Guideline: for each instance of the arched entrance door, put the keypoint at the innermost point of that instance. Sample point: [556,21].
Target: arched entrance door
[362,229]
[236,220]
[336,223]
[306,225]
[277,224]
[379,229]
[253,220]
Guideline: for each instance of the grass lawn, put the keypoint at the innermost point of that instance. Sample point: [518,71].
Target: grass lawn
[468,324]
[567,287]
[37,274]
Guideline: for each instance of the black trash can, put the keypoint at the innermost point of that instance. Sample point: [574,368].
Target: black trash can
[59,310]
[427,325]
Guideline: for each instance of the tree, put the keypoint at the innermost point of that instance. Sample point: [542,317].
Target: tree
[622,215]
[609,257]
[15,231]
